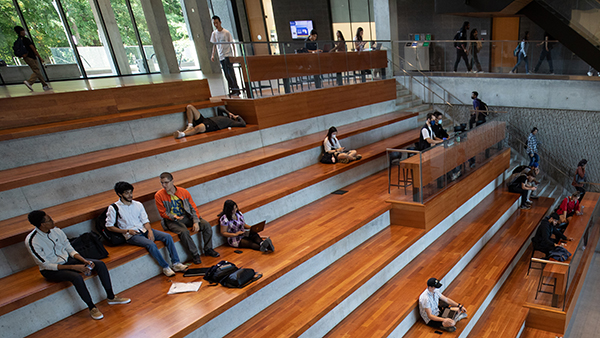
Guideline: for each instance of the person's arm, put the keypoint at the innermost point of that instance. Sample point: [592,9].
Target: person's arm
[327,146]
[524,186]
[523,48]
[111,222]
[162,210]
[447,321]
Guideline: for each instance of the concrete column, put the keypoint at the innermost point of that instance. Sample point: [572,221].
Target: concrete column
[160,36]
[197,17]
[386,28]
[108,15]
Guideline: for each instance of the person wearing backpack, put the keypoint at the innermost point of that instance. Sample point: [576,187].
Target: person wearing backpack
[134,225]
[179,212]
[24,48]
[479,111]
[522,54]
[461,46]
[59,262]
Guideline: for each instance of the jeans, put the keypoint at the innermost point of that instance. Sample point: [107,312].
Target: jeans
[143,241]
[535,159]
[461,54]
[521,58]
[77,279]
[229,75]
[546,54]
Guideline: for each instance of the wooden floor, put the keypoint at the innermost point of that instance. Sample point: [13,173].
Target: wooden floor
[382,312]
[297,237]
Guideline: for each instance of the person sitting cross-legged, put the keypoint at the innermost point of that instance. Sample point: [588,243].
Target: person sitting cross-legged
[59,262]
[432,312]
[233,227]
[332,145]
[198,124]
[134,225]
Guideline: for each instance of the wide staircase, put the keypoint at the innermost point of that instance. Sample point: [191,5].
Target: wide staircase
[340,268]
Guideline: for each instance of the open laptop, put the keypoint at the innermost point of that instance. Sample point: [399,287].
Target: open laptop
[448,313]
[257,227]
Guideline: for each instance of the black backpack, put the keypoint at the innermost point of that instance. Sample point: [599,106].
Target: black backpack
[88,245]
[483,106]
[240,278]
[218,272]
[111,238]
[456,38]
[19,47]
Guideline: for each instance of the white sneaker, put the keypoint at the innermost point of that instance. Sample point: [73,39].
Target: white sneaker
[510,72]
[31,88]
[589,74]
[179,267]
[168,272]
[46,88]
[178,134]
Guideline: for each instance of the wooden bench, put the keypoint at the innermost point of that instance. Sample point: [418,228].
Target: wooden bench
[49,170]
[43,114]
[297,236]
[390,305]
[247,199]
[15,229]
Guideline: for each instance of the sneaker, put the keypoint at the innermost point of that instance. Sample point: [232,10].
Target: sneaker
[96,314]
[525,207]
[449,328]
[168,272]
[196,259]
[46,88]
[264,246]
[460,317]
[358,157]
[589,74]
[271,247]
[511,72]
[178,134]
[31,88]
[119,300]
[179,267]
[211,253]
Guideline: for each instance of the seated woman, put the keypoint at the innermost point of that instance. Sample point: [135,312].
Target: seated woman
[233,227]
[580,178]
[199,124]
[331,145]
[568,208]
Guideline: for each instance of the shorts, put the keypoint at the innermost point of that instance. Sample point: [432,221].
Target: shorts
[435,324]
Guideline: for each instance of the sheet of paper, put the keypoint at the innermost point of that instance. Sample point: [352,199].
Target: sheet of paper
[184,287]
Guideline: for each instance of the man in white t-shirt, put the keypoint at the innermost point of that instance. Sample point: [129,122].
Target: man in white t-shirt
[432,312]
[225,50]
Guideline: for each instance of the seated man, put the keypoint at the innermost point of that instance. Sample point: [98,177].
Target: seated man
[199,124]
[438,130]
[59,262]
[179,212]
[427,137]
[568,208]
[133,223]
[542,241]
[520,185]
[431,311]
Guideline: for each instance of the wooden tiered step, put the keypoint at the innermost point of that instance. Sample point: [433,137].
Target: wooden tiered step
[15,229]
[390,305]
[247,200]
[297,237]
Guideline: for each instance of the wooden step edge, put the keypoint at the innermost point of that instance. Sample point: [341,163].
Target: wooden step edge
[55,127]
[132,152]
[12,238]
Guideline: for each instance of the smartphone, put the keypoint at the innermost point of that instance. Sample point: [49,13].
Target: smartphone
[238,251]
[438,332]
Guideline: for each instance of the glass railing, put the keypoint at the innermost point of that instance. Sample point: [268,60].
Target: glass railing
[417,176]
[581,15]
[265,69]
[486,56]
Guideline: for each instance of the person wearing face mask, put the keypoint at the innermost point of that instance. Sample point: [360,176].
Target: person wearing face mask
[427,137]
[437,128]
[331,145]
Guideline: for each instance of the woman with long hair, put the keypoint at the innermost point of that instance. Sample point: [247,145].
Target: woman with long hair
[474,48]
[331,145]
[359,44]
[234,228]
[579,179]
[340,44]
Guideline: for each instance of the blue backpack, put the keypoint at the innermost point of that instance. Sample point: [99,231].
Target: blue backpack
[19,47]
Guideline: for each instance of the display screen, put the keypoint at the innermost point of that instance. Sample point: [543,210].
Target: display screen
[301,29]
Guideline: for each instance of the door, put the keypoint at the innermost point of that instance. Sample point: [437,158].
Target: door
[504,28]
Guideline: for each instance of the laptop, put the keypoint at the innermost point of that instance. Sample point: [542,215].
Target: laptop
[257,227]
[448,313]
[195,272]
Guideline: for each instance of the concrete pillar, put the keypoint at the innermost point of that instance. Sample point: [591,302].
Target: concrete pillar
[160,36]
[386,27]
[197,17]
[108,15]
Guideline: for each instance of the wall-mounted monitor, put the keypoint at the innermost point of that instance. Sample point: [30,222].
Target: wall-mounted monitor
[301,28]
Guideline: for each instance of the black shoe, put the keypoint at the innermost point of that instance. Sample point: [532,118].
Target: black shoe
[211,253]
[196,259]
[270,244]
[449,328]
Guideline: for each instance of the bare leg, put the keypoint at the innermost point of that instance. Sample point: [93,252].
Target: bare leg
[192,113]
[196,130]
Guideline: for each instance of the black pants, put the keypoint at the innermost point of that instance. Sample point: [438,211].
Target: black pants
[252,241]
[76,278]
[521,191]
[546,54]
[582,191]
[460,53]
[229,75]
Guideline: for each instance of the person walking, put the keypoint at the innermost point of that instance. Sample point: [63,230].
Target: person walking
[522,54]
[225,50]
[532,149]
[461,46]
[25,49]
[546,53]
[474,48]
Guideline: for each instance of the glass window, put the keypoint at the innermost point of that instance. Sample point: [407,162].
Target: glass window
[49,37]
[184,46]
[142,25]
[128,35]
[8,20]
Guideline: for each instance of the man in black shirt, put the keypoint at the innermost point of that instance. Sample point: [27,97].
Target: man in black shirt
[312,47]
[438,130]
[199,124]
[461,45]
[30,57]
[542,241]
[520,186]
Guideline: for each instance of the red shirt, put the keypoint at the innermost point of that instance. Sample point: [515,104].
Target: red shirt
[569,206]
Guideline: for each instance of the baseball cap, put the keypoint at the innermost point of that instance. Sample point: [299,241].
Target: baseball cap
[434,282]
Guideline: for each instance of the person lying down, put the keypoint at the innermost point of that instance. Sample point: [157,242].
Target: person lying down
[199,124]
